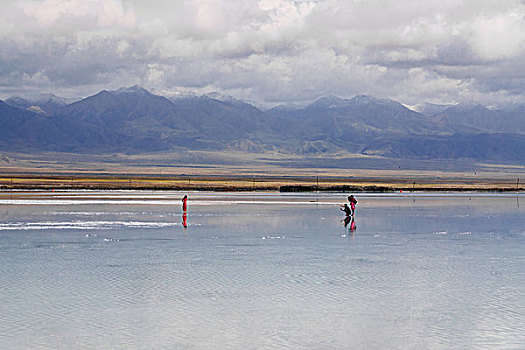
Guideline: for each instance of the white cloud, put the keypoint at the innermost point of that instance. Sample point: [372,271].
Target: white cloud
[500,36]
[269,50]
[39,78]
[155,75]
[103,12]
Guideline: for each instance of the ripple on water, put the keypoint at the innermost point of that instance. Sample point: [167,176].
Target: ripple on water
[83,225]
[223,284]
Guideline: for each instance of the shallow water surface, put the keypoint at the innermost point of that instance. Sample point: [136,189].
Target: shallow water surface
[119,270]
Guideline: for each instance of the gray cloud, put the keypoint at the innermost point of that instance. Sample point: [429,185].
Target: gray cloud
[271,51]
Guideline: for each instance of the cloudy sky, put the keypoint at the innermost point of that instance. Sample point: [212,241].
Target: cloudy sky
[269,51]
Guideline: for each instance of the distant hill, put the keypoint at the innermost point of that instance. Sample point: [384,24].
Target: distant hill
[45,104]
[465,118]
[26,130]
[133,120]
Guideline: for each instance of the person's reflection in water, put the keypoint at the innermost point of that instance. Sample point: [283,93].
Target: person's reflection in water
[350,220]
[352,225]
[349,223]
[185,219]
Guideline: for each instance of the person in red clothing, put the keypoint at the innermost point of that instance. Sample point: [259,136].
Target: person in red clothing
[184,203]
[353,203]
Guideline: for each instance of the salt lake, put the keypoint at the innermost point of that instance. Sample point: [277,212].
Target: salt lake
[127,270]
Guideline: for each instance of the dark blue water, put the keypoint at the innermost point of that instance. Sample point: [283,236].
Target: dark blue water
[103,270]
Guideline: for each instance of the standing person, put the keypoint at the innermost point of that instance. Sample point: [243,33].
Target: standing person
[353,203]
[184,203]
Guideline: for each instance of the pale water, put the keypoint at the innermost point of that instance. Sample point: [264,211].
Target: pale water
[117,270]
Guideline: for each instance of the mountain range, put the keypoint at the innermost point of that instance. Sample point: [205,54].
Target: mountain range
[133,120]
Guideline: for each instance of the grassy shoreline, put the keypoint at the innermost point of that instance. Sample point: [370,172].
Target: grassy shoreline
[254,183]
[237,171]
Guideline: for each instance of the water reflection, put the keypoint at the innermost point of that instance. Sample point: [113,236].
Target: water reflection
[265,271]
[349,222]
[185,219]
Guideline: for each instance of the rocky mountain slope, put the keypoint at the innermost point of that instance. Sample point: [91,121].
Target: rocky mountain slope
[134,120]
